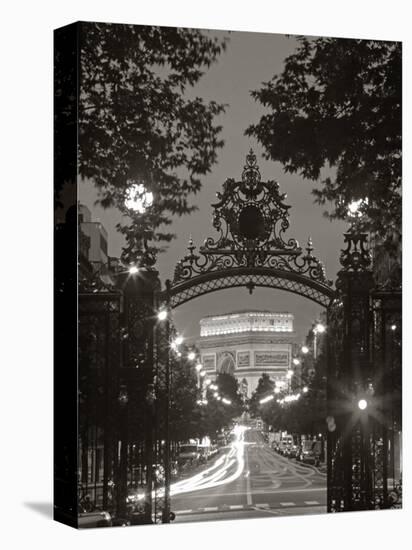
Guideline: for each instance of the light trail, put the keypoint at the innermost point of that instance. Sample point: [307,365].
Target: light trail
[218,474]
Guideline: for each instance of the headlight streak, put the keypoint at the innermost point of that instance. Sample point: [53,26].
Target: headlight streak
[217,474]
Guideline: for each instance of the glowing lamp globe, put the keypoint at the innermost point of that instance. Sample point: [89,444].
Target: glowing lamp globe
[138,198]
[162,315]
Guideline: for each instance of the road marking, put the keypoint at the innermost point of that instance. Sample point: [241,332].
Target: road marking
[262,505]
[287,503]
[311,502]
[303,490]
[248,485]
[236,506]
[211,509]
[183,511]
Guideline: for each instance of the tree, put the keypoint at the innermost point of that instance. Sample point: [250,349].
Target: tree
[137,123]
[229,389]
[185,416]
[337,104]
[218,414]
[264,388]
[308,414]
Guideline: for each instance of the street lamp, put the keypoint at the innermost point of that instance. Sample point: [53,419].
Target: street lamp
[356,207]
[305,389]
[179,340]
[191,356]
[138,198]
[305,349]
[296,361]
[318,329]
[362,404]
[198,368]
[162,315]
[133,269]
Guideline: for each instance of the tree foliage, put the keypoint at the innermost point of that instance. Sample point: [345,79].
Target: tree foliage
[337,104]
[185,415]
[304,416]
[264,388]
[229,388]
[217,414]
[137,122]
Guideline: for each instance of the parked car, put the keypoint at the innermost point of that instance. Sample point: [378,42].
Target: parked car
[213,450]
[97,518]
[189,452]
[285,443]
[221,440]
[275,446]
[308,455]
[292,451]
[283,446]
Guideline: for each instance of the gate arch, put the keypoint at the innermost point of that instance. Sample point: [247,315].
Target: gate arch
[251,278]
[251,251]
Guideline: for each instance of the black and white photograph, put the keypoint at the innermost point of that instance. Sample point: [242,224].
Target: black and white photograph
[228,217]
[206,253]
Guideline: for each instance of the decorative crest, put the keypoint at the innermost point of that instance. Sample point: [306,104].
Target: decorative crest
[251,218]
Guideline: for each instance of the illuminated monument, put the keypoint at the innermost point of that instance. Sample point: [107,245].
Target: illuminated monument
[247,344]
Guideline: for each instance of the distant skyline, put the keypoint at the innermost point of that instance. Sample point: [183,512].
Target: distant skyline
[250,59]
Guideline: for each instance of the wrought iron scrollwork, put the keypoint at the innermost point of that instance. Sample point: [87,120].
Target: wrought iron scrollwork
[356,256]
[251,218]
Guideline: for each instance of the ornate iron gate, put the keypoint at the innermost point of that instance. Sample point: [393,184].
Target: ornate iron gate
[99,359]
[251,251]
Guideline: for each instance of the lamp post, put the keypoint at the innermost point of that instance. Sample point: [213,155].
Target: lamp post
[147,325]
[123,401]
[166,507]
[319,328]
[198,368]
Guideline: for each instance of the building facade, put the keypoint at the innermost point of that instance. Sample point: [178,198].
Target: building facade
[247,344]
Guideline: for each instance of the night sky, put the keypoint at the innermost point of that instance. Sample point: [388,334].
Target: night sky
[249,60]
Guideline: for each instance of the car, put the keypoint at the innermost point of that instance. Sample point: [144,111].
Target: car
[275,446]
[292,451]
[189,452]
[221,440]
[96,518]
[213,450]
[308,454]
[283,446]
[309,457]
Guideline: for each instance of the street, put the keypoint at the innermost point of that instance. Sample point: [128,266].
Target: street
[249,480]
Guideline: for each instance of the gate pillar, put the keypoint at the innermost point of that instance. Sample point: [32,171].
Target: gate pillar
[137,380]
[350,382]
